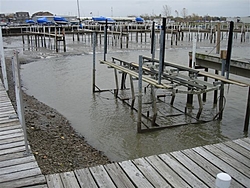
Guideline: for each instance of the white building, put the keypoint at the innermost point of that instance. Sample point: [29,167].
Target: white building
[239,19]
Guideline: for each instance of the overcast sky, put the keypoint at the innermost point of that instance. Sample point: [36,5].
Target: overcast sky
[228,8]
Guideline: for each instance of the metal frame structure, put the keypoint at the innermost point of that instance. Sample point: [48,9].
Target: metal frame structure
[175,78]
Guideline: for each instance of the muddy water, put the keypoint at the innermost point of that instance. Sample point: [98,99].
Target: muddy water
[64,82]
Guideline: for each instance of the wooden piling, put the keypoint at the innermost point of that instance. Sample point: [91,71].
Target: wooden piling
[64,41]
[139,121]
[221,99]
[132,91]
[216,91]
[246,125]
[218,39]
[204,96]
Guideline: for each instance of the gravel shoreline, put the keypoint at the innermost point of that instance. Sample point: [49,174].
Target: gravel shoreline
[56,146]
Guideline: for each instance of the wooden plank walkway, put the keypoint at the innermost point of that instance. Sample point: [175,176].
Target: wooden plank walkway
[16,168]
[196,167]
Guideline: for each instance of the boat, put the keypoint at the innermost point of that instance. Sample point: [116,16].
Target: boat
[60,20]
[139,20]
[30,22]
[102,19]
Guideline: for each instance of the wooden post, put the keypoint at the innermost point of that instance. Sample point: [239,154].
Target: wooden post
[22,35]
[19,99]
[132,91]
[246,125]
[28,37]
[121,39]
[221,105]
[78,38]
[64,41]
[3,64]
[124,75]
[216,91]
[204,96]
[116,84]
[94,69]
[127,39]
[139,96]
[218,39]
[55,41]
[200,106]
[154,108]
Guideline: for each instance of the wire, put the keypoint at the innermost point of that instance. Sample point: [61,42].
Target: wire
[216,115]
[216,45]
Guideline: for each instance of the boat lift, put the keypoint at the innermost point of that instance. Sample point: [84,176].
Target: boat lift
[175,79]
[160,74]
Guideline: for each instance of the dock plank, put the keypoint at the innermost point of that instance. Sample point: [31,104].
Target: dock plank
[2,133]
[241,150]
[243,144]
[118,176]
[9,136]
[12,150]
[85,178]
[229,160]
[193,167]
[101,177]
[11,156]
[167,173]
[12,145]
[22,160]
[183,172]
[19,175]
[69,180]
[206,165]
[223,166]
[54,181]
[10,128]
[11,140]
[135,175]
[150,173]
[34,181]
[18,167]
[233,153]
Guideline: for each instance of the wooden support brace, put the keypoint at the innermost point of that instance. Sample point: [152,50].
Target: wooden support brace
[200,106]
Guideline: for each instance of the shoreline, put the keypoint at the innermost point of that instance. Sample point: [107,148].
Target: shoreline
[56,146]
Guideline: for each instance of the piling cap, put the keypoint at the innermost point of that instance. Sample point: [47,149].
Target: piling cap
[223,180]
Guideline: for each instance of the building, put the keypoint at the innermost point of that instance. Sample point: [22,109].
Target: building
[2,18]
[239,19]
[21,17]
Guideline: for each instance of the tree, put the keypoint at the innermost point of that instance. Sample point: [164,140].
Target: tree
[177,13]
[166,10]
[184,13]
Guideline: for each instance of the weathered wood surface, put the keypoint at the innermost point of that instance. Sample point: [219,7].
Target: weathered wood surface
[17,169]
[196,167]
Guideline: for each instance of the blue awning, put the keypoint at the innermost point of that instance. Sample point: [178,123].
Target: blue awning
[30,21]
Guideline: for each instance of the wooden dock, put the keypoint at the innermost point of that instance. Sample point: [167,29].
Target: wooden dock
[196,167]
[17,169]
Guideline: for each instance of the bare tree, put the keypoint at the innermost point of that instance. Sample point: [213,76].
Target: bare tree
[177,13]
[166,10]
[184,13]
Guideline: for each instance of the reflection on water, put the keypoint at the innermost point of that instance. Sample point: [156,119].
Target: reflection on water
[64,82]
